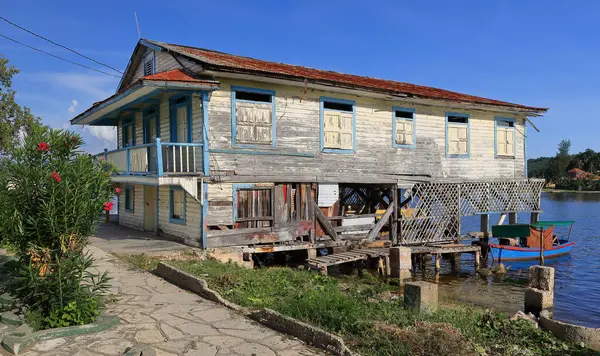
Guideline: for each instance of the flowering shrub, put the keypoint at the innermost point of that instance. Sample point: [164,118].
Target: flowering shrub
[51,198]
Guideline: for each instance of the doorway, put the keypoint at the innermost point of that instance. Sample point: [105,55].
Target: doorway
[150,208]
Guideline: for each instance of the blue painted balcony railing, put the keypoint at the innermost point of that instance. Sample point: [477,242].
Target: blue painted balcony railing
[157,158]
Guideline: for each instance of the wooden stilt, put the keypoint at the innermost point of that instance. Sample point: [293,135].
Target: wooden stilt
[477,258]
[512,218]
[455,260]
[437,261]
[534,217]
[485,224]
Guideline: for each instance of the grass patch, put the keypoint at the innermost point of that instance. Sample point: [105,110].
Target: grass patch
[370,323]
[140,261]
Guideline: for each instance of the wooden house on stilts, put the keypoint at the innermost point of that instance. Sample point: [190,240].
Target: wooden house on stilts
[216,149]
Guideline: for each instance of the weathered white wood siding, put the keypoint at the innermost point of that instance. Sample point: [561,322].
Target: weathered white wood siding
[133,219]
[328,194]
[220,204]
[193,216]
[298,130]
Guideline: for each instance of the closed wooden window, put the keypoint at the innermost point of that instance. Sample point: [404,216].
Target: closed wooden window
[129,199]
[338,125]
[404,127]
[505,137]
[457,135]
[177,206]
[253,111]
[254,207]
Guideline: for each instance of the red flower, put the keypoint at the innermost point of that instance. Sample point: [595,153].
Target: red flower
[108,206]
[117,190]
[55,176]
[43,146]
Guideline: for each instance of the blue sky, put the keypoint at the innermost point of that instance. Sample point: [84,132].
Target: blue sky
[539,53]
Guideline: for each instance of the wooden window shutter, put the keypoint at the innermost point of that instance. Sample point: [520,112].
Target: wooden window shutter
[346,132]
[332,130]
[254,122]
[501,141]
[404,132]
[463,140]
[510,143]
[453,141]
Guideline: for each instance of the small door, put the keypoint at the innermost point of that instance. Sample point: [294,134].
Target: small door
[149,208]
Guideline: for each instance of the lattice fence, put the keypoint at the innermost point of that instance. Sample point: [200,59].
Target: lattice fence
[434,210]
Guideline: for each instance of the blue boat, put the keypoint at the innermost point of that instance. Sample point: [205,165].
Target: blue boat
[522,242]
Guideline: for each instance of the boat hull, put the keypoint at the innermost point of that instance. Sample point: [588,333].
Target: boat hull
[513,253]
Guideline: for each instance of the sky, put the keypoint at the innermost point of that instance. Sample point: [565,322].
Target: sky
[537,53]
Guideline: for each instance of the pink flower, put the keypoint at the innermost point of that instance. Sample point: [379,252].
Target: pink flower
[108,206]
[117,190]
[55,176]
[43,147]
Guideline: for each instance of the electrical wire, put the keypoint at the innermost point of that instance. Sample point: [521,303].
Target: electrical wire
[57,57]
[59,45]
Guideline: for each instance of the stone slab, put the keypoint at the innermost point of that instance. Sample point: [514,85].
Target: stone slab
[421,296]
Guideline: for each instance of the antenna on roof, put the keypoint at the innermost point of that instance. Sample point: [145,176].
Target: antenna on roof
[137,24]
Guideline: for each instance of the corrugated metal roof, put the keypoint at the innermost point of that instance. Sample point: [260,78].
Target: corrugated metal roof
[236,63]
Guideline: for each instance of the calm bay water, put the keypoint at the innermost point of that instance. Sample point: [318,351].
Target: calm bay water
[577,289]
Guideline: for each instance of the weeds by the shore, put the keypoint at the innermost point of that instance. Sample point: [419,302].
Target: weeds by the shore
[364,315]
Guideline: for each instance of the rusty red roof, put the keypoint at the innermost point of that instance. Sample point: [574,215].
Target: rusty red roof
[230,62]
[576,170]
[176,75]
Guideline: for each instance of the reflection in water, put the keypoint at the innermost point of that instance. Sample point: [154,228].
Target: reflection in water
[577,291]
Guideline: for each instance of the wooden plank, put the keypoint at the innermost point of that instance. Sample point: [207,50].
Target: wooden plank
[217,233]
[375,231]
[258,218]
[278,210]
[349,228]
[325,223]
[352,217]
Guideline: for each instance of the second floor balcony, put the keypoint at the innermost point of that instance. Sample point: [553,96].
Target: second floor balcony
[158,158]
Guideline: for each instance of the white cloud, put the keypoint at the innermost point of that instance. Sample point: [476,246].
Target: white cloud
[108,134]
[71,108]
[97,86]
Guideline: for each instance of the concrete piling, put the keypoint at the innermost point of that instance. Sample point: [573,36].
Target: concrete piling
[540,294]
[400,262]
[421,296]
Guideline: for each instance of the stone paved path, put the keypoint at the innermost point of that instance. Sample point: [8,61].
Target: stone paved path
[172,321]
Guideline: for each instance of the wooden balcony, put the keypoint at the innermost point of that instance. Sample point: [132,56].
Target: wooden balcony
[158,159]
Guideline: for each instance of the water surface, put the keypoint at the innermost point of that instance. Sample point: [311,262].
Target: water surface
[577,283]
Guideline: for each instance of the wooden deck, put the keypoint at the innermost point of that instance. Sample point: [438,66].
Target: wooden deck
[382,254]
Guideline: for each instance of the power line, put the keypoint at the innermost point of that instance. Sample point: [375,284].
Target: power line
[57,57]
[59,45]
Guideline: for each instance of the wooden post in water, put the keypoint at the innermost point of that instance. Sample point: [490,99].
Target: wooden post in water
[534,217]
[542,247]
[484,224]
[437,261]
[512,218]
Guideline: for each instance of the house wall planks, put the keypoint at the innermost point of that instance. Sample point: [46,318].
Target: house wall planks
[298,130]
[193,214]
[133,219]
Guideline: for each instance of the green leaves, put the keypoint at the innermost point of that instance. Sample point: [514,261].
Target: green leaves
[51,198]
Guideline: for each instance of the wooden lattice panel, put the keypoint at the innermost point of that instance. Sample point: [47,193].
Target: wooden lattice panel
[434,210]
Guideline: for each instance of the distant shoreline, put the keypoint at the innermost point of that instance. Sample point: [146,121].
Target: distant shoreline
[570,191]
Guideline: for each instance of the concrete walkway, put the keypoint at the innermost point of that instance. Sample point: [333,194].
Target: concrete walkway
[115,238]
[172,321]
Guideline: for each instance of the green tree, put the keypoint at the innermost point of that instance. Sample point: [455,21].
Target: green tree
[14,119]
[563,158]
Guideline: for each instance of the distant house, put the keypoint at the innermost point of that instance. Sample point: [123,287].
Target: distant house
[576,173]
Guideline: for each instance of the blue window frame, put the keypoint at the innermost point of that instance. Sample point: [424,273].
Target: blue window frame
[252,205]
[130,199]
[338,125]
[128,132]
[179,105]
[505,137]
[403,127]
[177,204]
[253,117]
[458,135]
